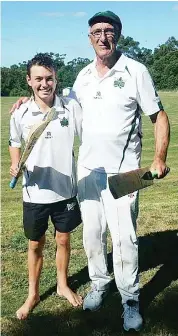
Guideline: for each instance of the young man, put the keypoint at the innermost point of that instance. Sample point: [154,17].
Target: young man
[112,91]
[49,179]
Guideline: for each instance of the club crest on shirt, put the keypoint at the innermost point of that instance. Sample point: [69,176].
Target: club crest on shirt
[119,83]
[64,122]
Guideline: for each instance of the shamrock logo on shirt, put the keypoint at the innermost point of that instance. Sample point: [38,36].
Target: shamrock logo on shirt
[64,122]
[119,82]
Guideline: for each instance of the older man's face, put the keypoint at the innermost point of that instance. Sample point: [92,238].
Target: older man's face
[103,37]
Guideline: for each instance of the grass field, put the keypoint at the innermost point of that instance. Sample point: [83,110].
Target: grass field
[158,256]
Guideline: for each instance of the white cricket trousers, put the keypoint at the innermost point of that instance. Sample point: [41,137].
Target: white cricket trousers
[99,208]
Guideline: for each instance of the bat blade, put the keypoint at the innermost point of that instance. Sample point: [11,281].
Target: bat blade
[33,136]
[125,183]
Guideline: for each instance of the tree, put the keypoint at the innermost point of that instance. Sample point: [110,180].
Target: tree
[68,73]
[162,64]
[165,66]
[132,49]
[5,81]
[58,59]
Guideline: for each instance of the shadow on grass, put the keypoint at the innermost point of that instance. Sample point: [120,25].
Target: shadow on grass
[156,249]
[69,322]
[160,248]
[161,320]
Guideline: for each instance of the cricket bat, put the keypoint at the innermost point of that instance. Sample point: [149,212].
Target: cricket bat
[125,183]
[33,136]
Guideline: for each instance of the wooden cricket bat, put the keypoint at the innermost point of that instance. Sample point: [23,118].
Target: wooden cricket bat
[125,183]
[33,136]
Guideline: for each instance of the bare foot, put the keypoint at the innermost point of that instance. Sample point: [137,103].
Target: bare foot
[73,298]
[27,307]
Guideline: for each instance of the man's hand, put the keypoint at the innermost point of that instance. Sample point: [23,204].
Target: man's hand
[20,101]
[160,167]
[14,170]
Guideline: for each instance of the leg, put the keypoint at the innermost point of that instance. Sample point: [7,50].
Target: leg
[62,263]
[94,235]
[35,262]
[121,216]
[94,231]
[95,244]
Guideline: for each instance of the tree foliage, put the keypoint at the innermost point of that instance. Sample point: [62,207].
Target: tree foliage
[165,66]
[132,49]
[68,73]
[162,64]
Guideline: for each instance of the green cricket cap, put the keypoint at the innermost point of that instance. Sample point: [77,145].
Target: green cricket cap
[106,16]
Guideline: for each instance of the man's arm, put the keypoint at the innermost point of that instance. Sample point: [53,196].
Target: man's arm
[15,142]
[162,137]
[15,158]
[151,105]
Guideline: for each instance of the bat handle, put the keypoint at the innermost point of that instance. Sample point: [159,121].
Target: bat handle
[155,174]
[13,182]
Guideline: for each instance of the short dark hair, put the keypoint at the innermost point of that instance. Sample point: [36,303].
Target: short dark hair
[41,59]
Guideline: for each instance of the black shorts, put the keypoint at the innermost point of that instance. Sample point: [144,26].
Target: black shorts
[65,215]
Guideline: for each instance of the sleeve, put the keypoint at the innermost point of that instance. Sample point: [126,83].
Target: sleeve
[15,132]
[74,93]
[77,119]
[147,96]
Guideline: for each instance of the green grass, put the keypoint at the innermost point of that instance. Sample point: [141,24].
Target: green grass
[157,229]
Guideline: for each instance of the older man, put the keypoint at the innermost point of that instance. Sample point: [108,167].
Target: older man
[112,91]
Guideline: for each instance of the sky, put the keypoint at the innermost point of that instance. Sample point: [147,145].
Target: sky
[29,27]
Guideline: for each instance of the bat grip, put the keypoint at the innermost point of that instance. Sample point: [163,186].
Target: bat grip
[13,182]
[154,174]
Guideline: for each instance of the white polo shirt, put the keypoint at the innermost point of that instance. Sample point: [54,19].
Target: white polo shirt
[50,168]
[111,138]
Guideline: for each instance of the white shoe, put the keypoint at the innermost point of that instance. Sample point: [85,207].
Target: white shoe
[94,299]
[131,315]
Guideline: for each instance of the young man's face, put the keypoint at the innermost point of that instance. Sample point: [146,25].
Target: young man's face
[42,81]
[103,37]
